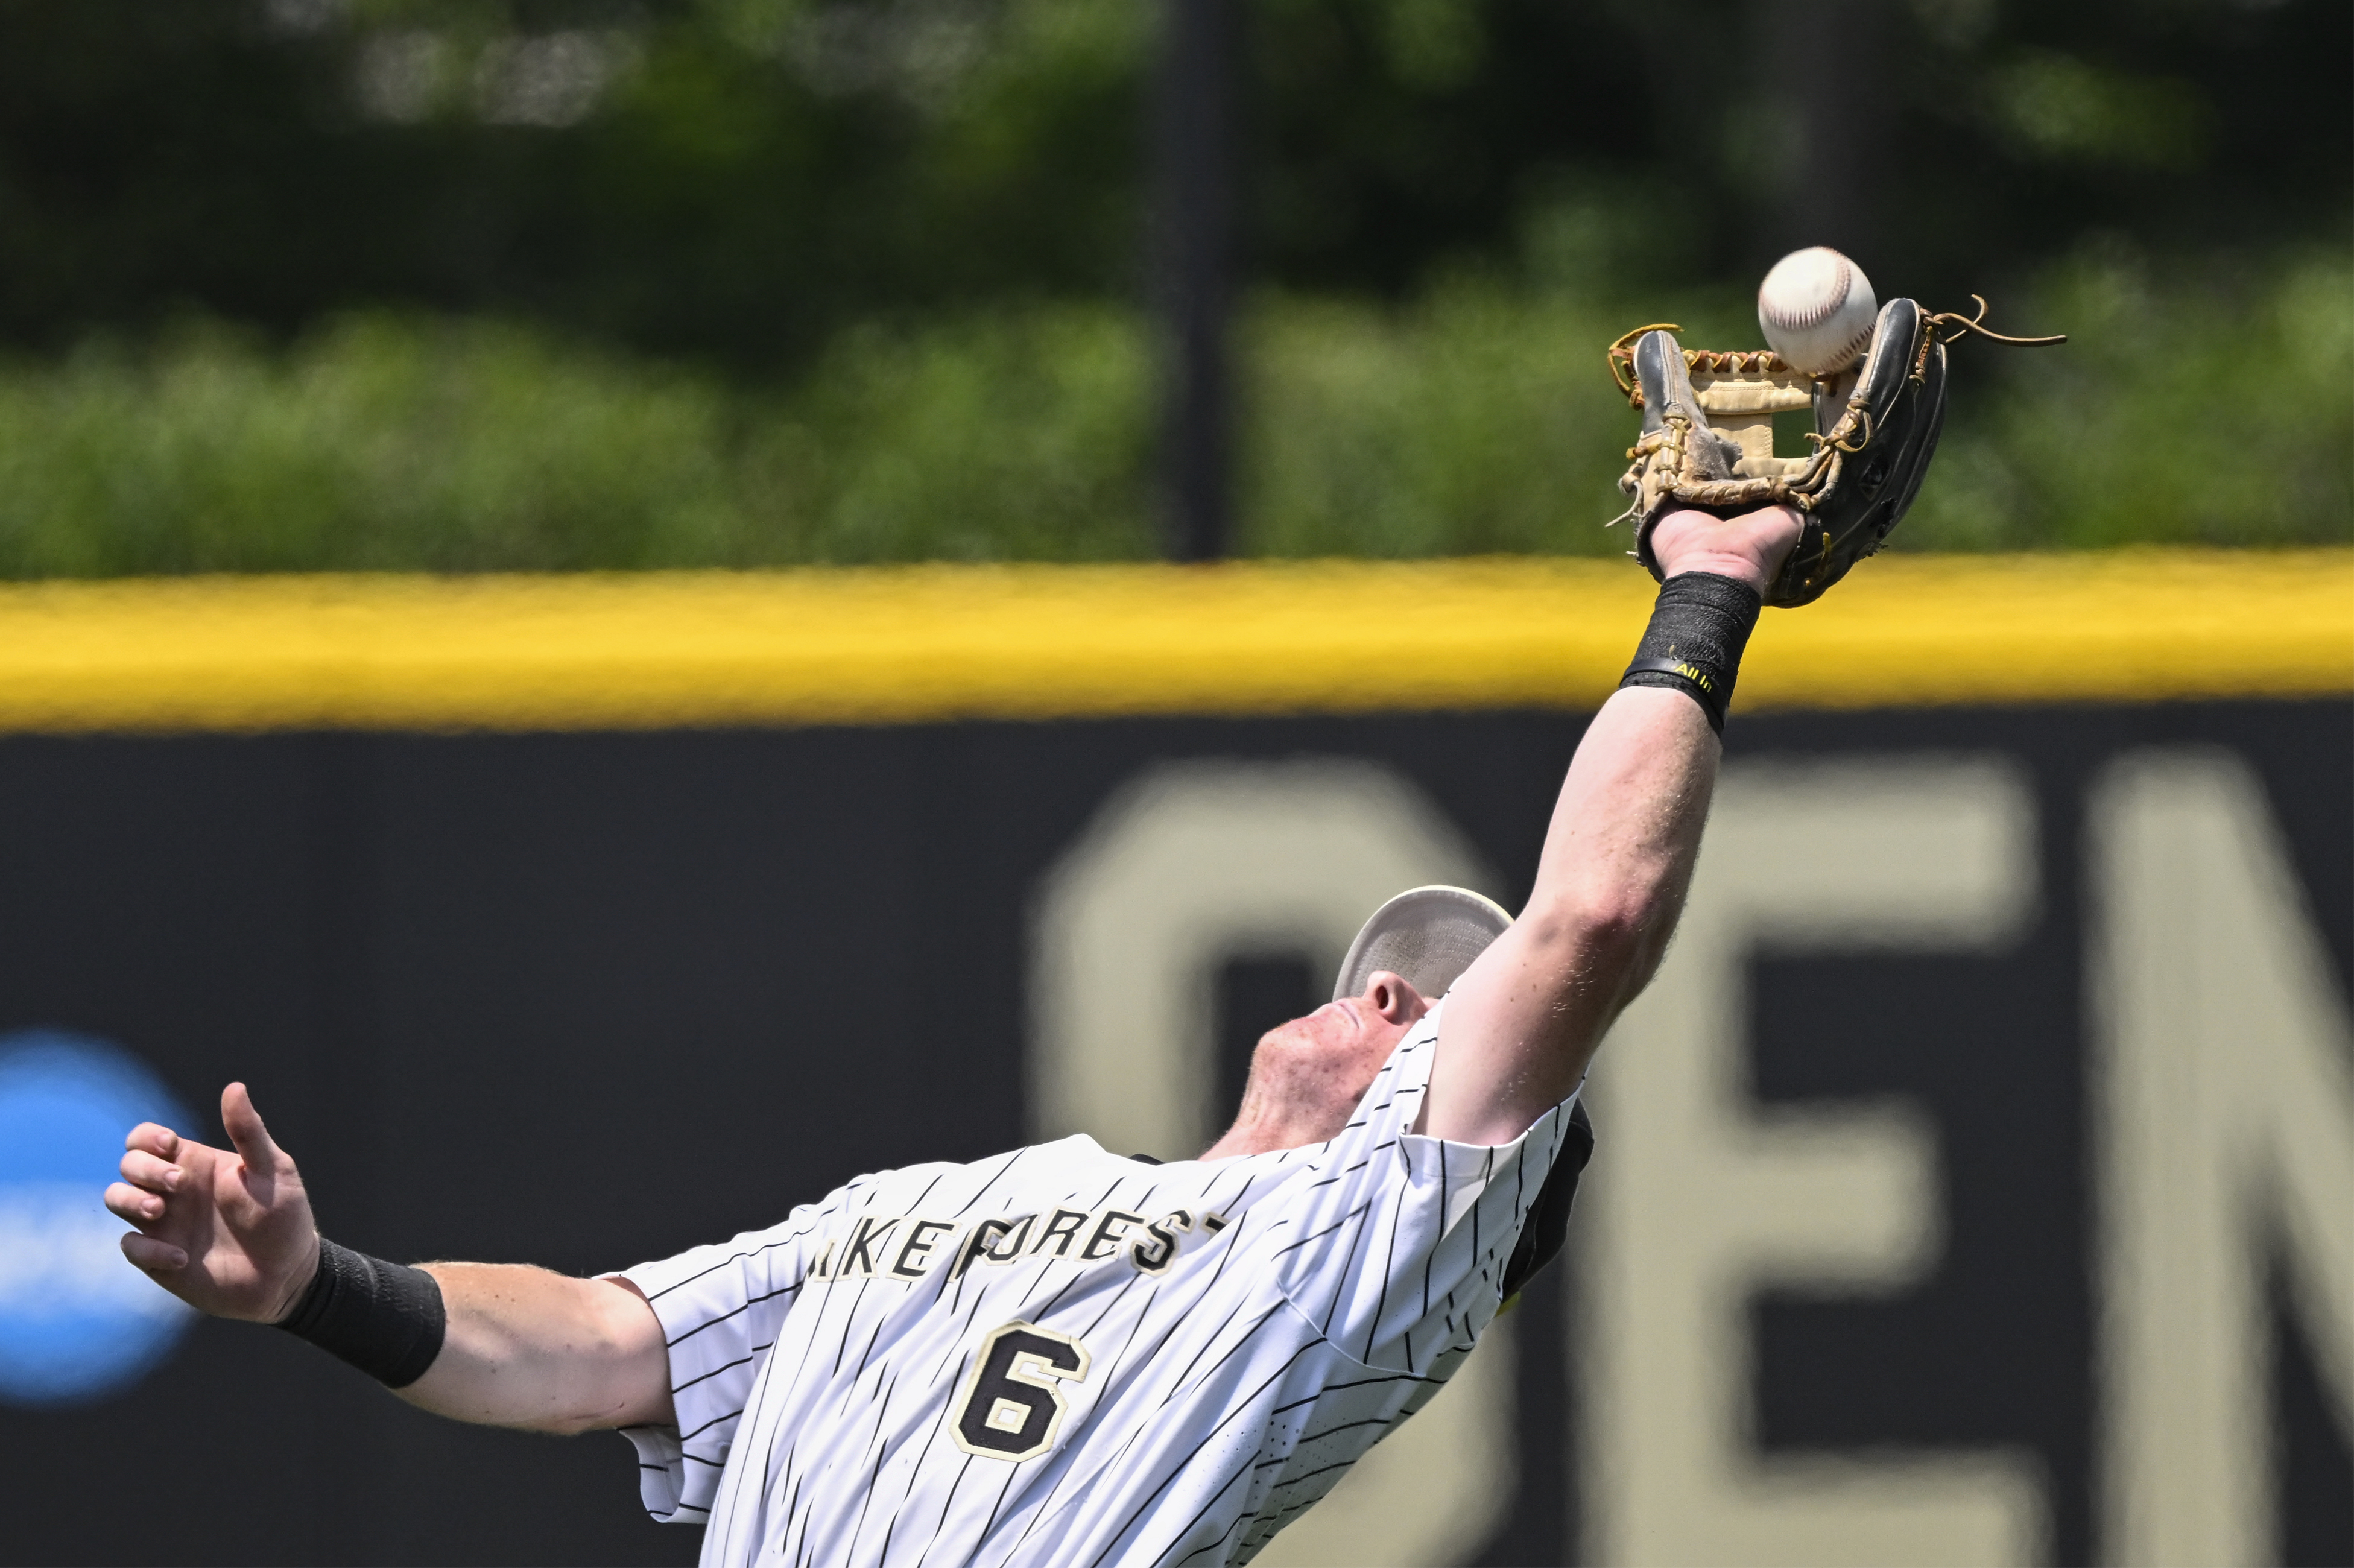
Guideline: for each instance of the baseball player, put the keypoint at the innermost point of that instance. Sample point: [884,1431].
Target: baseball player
[1071,1356]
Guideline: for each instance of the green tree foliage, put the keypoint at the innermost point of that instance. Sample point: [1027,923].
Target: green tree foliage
[739,179]
[734,179]
[567,283]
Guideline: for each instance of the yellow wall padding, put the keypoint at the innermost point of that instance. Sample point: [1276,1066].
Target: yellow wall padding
[905,644]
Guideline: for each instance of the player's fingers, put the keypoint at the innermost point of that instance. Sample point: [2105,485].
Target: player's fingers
[154,1138]
[243,1124]
[141,1169]
[128,1202]
[155,1256]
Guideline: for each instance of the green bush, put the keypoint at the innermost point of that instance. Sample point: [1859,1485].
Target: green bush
[2209,406]
[378,444]
[395,444]
[1025,436]
[2213,407]
[1480,421]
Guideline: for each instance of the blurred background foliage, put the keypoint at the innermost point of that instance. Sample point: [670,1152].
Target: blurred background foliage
[291,284]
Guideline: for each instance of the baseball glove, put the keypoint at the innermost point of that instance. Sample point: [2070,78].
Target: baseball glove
[1707,436]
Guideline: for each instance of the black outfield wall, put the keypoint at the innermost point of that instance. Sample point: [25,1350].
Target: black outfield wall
[585,998]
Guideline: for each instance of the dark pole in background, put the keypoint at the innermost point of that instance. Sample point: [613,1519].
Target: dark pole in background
[1824,192]
[1192,265]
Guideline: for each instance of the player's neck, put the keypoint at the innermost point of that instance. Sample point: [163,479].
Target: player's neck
[1271,1120]
[1307,1076]
[1245,1139]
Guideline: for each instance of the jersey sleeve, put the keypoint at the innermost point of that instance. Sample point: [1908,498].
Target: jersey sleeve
[719,1308]
[1397,1246]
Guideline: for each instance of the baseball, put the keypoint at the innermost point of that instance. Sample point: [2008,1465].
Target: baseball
[1816,310]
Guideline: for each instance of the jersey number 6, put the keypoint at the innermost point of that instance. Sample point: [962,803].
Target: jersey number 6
[1012,1403]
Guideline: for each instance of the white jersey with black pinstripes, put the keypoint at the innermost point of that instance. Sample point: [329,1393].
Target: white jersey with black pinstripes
[1065,1356]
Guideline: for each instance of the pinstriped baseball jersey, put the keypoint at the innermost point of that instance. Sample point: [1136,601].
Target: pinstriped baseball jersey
[1065,1356]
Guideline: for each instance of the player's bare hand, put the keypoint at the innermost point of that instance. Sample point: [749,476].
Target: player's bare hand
[228,1231]
[1750,547]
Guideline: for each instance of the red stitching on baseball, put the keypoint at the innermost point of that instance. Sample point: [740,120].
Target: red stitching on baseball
[1831,308]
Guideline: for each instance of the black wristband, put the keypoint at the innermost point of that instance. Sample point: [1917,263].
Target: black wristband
[385,1319]
[1699,627]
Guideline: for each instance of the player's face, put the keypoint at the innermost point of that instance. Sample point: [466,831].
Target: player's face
[1306,1076]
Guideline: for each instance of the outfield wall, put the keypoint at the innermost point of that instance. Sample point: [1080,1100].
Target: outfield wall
[1976,1184]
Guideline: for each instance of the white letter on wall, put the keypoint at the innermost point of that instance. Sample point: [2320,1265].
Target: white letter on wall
[1700,1197]
[2227,1129]
[1196,864]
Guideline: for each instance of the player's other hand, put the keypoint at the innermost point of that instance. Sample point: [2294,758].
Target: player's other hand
[229,1230]
[1750,547]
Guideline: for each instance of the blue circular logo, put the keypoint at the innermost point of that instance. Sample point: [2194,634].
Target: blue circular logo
[76,1321]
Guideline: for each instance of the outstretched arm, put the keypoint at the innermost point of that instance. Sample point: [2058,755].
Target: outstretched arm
[528,1347]
[1523,1021]
[230,1233]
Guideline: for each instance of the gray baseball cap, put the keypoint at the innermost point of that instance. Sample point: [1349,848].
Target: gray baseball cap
[1428,936]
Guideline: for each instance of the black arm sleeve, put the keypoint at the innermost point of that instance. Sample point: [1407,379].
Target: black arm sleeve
[1699,628]
[385,1319]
